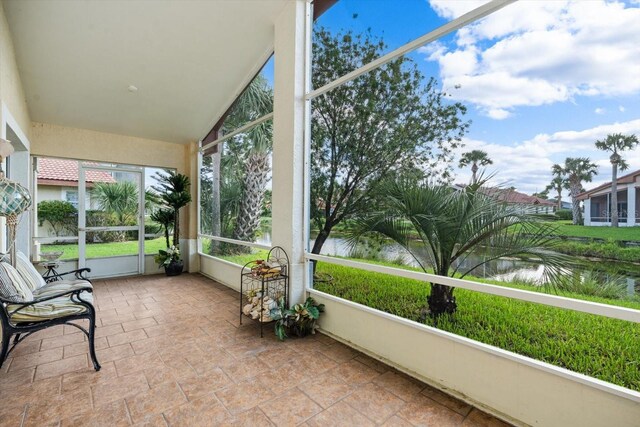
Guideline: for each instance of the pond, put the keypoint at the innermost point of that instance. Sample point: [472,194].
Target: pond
[504,270]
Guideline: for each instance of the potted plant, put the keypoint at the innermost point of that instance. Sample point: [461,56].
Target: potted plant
[170,260]
[173,191]
[299,320]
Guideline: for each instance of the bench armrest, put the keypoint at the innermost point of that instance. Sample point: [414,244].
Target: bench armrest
[80,274]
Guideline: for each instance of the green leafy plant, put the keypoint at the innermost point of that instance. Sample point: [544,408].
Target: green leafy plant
[167,256]
[60,215]
[300,320]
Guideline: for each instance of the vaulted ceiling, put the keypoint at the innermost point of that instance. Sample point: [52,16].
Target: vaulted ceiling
[163,70]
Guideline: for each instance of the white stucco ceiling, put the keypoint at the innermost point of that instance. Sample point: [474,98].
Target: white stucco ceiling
[188,59]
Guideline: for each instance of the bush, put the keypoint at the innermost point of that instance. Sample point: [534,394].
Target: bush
[564,214]
[60,215]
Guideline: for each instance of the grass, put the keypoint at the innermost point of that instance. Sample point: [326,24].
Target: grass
[101,250]
[565,228]
[603,348]
[607,250]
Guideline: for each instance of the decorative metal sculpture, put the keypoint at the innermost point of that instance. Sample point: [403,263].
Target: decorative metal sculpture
[14,199]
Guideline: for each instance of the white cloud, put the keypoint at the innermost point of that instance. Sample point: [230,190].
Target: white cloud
[599,110]
[540,52]
[498,113]
[527,164]
[621,108]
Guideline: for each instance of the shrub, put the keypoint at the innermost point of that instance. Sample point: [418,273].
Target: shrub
[564,214]
[60,215]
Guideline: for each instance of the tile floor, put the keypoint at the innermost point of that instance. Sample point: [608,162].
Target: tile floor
[172,353]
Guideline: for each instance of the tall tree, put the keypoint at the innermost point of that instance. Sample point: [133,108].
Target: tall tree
[615,143]
[578,170]
[558,183]
[450,225]
[367,129]
[474,158]
[240,167]
[257,168]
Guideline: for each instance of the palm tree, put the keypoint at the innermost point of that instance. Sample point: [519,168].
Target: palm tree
[254,182]
[449,225]
[615,143]
[119,199]
[243,162]
[173,189]
[577,170]
[474,158]
[558,183]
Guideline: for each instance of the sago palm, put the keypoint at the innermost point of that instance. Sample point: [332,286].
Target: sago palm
[578,170]
[615,143]
[474,158]
[441,227]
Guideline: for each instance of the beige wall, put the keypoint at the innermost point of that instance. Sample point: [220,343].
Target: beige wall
[11,92]
[73,143]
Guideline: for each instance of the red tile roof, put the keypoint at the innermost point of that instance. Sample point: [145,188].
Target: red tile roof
[511,196]
[625,179]
[58,171]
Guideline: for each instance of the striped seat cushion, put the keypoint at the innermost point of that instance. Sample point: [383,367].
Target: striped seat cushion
[12,285]
[29,272]
[63,286]
[52,309]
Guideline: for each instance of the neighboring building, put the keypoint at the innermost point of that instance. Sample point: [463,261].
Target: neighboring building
[530,204]
[597,202]
[58,180]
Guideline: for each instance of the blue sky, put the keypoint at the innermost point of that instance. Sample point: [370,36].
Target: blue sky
[542,80]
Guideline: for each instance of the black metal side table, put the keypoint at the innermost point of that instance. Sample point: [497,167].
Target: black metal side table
[51,272]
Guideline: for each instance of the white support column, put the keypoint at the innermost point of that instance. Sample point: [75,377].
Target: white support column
[631,205]
[587,211]
[288,139]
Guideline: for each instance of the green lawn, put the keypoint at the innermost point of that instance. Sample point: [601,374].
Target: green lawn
[565,228]
[101,250]
[599,347]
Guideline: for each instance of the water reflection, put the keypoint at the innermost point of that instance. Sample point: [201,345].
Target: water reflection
[504,270]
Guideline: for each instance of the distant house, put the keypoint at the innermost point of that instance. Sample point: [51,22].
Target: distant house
[529,204]
[58,180]
[597,202]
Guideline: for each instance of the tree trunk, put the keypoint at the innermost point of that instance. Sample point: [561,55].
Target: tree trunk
[166,235]
[441,300]
[474,173]
[559,199]
[176,228]
[319,242]
[614,195]
[320,239]
[575,203]
[253,188]
[215,199]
